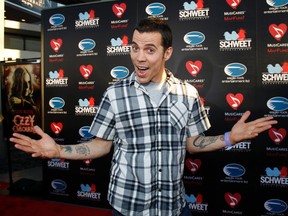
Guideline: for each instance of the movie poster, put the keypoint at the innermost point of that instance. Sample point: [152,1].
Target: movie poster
[21,97]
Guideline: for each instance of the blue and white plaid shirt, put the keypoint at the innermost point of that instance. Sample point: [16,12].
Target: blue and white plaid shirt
[149,144]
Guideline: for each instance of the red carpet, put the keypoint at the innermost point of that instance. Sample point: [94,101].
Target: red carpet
[14,205]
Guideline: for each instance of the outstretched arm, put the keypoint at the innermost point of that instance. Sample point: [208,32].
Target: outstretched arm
[46,147]
[242,130]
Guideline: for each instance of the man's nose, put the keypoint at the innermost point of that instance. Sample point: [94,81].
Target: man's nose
[141,56]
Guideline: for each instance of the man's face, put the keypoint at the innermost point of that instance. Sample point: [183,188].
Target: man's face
[148,56]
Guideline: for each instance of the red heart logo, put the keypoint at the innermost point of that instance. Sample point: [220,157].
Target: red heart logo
[88,162]
[119,9]
[86,70]
[56,127]
[234,100]
[193,67]
[277,136]
[232,199]
[193,165]
[56,44]
[278,31]
[233,3]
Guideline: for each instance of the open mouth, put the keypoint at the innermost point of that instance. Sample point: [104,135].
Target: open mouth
[142,68]
[141,71]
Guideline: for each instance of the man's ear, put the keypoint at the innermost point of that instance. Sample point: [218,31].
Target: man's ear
[168,53]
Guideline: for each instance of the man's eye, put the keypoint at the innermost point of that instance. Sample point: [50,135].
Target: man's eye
[150,51]
[134,48]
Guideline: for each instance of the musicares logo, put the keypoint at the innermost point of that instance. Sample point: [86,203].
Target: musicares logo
[277,136]
[193,67]
[56,127]
[86,70]
[233,3]
[234,100]
[56,44]
[278,31]
[193,165]
[88,162]
[232,199]
[119,9]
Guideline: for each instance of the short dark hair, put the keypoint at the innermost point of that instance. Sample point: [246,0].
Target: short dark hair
[154,24]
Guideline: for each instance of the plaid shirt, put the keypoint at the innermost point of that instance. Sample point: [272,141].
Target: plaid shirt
[149,144]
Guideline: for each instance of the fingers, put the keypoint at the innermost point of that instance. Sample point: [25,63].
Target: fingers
[266,120]
[26,148]
[20,140]
[260,125]
[37,154]
[39,131]
[245,116]
[27,144]
[26,140]
[248,130]
[262,128]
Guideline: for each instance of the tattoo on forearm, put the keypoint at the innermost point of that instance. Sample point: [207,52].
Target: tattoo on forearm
[202,141]
[66,149]
[82,149]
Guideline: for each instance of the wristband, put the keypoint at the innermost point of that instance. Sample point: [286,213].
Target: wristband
[226,138]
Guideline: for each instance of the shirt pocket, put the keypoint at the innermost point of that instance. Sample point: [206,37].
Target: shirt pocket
[179,115]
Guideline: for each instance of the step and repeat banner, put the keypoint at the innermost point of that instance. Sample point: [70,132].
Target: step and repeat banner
[234,52]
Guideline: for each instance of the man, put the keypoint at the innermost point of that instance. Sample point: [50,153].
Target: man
[151,119]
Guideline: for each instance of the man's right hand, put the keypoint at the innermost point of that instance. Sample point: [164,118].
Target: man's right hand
[45,147]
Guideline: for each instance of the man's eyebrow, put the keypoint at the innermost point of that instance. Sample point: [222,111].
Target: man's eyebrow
[146,45]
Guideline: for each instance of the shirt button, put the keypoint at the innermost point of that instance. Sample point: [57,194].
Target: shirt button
[160,170]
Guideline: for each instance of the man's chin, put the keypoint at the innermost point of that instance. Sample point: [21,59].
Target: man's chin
[142,80]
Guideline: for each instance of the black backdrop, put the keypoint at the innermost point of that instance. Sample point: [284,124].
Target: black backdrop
[234,52]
